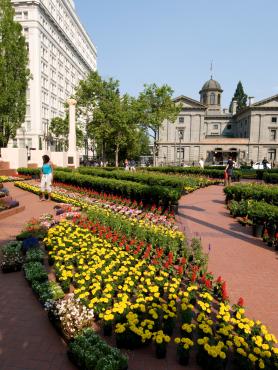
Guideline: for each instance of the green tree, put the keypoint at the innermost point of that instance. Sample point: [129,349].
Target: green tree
[59,129]
[88,95]
[240,97]
[156,105]
[114,120]
[14,73]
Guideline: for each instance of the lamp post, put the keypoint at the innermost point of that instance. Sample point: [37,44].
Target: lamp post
[180,133]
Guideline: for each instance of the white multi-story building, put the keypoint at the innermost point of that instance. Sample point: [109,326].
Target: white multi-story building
[61,54]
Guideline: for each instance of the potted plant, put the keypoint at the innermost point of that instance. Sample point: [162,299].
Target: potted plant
[160,340]
[183,350]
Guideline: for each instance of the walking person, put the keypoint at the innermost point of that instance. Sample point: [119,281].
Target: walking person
[46,178]
[126,165]
[132,165]
[202,163]
[229,171]
[265,163]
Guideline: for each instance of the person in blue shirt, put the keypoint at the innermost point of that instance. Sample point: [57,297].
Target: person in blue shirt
[46,178]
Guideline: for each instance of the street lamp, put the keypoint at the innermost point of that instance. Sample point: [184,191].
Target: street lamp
[180,134]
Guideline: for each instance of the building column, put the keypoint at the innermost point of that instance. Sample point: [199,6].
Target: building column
[73,156]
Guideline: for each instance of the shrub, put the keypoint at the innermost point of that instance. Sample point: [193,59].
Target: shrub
[89,351]
[259,192]
[270,178]
[35,271]
[12,257]
[217,174]
[49,290]
[34,254]
[148,194]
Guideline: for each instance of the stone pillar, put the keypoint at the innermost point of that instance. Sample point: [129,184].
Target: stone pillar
[72,125]
[73,157]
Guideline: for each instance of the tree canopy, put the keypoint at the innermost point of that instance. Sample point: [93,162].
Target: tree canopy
[14,73]
[240,97]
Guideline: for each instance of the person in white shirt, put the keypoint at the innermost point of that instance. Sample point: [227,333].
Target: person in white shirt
[202,163]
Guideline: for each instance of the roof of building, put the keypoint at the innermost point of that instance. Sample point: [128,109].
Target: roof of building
[212,85]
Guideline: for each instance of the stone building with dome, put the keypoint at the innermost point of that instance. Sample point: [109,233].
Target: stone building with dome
[204,130]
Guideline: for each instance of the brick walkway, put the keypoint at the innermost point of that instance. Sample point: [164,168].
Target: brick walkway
[28,341]
[246,263]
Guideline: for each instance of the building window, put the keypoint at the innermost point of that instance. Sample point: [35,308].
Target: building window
[272,154]
[181,119]
[180,153]
[272,135]
[215,127]
[219,99]
[205,99]
[229,127]
[274,119]
[212,98]
[25,15]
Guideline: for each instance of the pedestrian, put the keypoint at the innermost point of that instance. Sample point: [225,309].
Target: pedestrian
[126,165]
[252,163]
[202,163]
[229,171]
[46,178]
[265,163]
[132,165]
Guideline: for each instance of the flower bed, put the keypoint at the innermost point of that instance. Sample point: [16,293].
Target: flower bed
[124,206]
[156,234]
[142,302]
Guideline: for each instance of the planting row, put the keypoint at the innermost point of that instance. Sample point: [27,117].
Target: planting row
[142,296]
[259,192]
[184,183]
[165,237]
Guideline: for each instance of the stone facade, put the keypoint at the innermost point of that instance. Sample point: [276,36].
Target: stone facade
[61,54]
[204,130]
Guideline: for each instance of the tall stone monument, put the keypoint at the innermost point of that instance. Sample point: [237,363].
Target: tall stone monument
[73,155]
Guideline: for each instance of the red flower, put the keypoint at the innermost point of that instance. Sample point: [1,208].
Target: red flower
[225,296]
[193,277]
[219,279]
[183,261]
[240,302]
[208,283]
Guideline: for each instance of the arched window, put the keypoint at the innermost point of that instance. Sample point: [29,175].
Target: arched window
[219,99]
[212,99]
[204,98]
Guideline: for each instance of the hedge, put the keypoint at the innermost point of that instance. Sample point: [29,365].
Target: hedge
[216,174]
[259,192]
[258,211]
[144,178]
[148,194]
[37,171]
[270,177]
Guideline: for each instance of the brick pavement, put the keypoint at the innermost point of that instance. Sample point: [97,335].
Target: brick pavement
[245,262]
[28,341]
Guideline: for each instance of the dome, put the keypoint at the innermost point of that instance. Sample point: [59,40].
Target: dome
[212,85]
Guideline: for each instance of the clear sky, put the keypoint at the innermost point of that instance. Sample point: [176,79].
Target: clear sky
[174,41]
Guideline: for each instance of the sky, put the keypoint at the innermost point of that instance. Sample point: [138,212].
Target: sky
[174,41]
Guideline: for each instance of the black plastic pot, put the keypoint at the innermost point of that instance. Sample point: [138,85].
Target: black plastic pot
[258,230]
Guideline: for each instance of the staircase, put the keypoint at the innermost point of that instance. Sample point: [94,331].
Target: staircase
[5,169]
